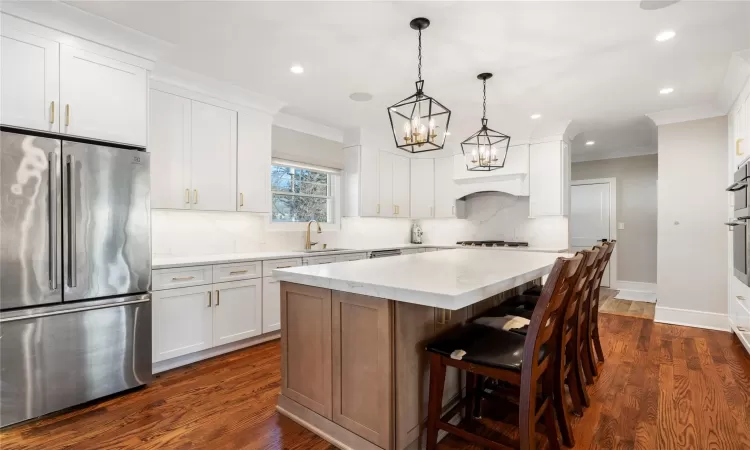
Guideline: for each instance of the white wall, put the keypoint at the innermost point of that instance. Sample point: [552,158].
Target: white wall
[636,208]
[692,239]
[498,216]
[301,147]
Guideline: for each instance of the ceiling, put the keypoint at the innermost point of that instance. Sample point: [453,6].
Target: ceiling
[595,63]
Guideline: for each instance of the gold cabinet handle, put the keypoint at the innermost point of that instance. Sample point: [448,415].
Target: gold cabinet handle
[209,299]
[217,297]
[67,115]
[737,146]
[741,298]
[453,210]
[195,196]
[432,213]
[237,272]
[187,195]
[242,199]
[377,209]
[283,267]
[182,278]
[52,112]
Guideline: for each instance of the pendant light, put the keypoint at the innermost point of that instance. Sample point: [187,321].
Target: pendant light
[419,122]
[482,149]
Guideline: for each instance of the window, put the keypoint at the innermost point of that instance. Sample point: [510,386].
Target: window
[301,194]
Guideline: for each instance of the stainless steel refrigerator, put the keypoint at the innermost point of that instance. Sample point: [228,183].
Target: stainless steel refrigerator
[75,272]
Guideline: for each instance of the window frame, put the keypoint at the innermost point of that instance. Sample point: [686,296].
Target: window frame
[334,191]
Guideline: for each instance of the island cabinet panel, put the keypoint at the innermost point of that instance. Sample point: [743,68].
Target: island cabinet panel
[362,366]
[306,347]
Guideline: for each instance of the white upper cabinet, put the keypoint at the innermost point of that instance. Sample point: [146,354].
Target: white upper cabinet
[213,155]
[169,145]
[102,98]
[360,183]
[254,161]
[386,208]
[422,188]
[549,173]
[445,200]
[401,185]
[29,81]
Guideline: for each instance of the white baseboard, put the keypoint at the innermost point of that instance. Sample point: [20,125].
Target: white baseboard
[634,286]
[692,318]
[184,360]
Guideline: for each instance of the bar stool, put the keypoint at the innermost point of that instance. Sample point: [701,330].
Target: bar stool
[526,363]
[573,332]
[593,340]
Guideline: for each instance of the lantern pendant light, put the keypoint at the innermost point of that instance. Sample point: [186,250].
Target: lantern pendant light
[419,122]
[483,149]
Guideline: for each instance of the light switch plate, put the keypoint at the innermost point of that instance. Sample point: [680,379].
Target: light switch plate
[620,225]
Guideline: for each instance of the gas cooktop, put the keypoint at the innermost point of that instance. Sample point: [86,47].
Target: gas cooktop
[492,244]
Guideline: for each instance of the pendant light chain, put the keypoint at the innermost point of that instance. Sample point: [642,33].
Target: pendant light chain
[484,99]
[419,50]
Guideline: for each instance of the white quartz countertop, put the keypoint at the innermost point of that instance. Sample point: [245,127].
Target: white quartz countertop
[449,280]
[168,261]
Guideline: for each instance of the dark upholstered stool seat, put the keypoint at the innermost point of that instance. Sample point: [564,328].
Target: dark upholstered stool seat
[484,345]
[536,291]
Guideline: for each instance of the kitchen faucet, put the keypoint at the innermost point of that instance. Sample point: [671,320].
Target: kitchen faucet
[308,244]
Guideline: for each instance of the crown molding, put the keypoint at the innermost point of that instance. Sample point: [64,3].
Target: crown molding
[308,127]
[678,115]
[738,73]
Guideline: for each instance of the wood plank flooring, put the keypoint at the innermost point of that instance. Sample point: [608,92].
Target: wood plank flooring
[631,308]
[661,387]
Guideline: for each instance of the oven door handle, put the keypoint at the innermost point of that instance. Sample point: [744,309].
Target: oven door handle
[739,185]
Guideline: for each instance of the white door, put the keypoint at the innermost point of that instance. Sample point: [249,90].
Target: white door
[213,158]
[102,98]
[444,196]
[253,161]
[237,310]
[401,186]
[29,81]
[385,184]
[169,145]
[182,321]
[271,305]
[590,217]
[422,188]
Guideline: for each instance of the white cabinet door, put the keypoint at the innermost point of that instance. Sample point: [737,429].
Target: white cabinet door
[213,158]
[317,260]
[237,310]
[253,161]
[29,81]
[546,173]
[271,305]
[445,203]
[102,98]
[369,194]
[401,185]
[182,321]
[422,188]
[169,145]
[385,184]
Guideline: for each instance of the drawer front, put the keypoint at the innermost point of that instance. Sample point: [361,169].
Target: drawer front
[237,271]
[409,251]
[431,249]
[269,266]
[181,277]
[351,257]
[318,260]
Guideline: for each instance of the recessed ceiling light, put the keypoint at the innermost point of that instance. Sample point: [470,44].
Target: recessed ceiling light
[590,143]
[665,35]
[297,69]
[536,116]
[666,90]
[361,96]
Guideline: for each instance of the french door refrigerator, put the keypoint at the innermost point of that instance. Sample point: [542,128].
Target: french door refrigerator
[75,272]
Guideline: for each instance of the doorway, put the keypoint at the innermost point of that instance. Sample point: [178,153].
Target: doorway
[593,218]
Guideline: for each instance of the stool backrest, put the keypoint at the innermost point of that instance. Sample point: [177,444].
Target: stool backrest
[548,314]
[605,248]
[577,301]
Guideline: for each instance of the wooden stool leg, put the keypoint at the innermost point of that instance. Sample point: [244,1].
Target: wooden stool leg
[479,389]
[555,379]
[586,363]
[598,343]
[549,424]
[435,405]
[471,397]
[579,382]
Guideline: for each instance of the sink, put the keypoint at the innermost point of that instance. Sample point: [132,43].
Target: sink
[322,250]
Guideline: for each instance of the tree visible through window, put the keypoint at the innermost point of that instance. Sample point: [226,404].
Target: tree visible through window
[299,195]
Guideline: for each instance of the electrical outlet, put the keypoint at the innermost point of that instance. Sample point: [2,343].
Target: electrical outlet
[620,225]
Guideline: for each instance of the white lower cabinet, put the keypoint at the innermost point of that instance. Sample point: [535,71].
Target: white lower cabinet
[237,310]
[351,257]
[182,321]
[271,305]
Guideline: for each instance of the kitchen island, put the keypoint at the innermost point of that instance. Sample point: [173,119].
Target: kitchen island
[353,365]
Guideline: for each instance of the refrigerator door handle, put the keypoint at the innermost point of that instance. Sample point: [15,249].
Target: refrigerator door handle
[52,159]
[73,310]
[72,275]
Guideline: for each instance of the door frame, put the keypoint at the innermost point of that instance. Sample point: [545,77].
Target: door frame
[613,281]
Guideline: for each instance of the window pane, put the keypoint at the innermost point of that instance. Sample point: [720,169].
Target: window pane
[281,179]
[293,208]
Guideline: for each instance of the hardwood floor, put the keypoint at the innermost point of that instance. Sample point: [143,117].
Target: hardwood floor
[661,387]
[632,308]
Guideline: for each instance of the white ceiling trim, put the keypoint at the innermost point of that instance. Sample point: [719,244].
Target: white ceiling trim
[308,127]
[735,79]
[678,115]
[576,158]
